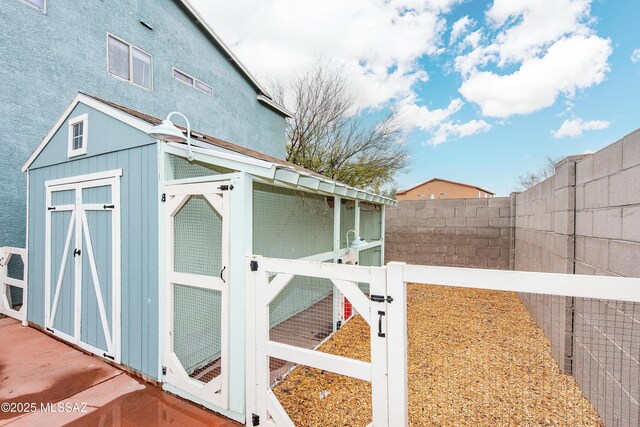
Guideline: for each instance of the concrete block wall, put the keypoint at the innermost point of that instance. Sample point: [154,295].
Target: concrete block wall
[545,241]
[606,347]
[586,220]
[452,232]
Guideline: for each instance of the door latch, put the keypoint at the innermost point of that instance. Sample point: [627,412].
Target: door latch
[380,316]
[77,252]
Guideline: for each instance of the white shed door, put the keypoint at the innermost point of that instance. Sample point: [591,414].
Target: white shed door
[82,263]
[195,362]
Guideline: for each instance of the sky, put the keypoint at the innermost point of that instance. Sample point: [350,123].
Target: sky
[485,89]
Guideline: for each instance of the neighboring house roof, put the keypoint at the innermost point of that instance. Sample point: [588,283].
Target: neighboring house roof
[445,180]
[282,169]
[263,95]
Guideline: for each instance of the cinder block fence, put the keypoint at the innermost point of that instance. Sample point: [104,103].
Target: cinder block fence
[585,219]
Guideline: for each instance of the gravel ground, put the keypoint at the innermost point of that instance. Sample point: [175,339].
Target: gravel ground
[476,358]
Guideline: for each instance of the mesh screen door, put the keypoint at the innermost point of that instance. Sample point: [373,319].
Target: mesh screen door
[197,299]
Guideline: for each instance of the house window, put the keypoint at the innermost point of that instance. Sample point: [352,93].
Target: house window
[78,131]
[192,81]
[432,196]
[128,62]
[38,4]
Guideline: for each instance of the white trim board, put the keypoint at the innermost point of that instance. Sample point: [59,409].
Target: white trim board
[81,98]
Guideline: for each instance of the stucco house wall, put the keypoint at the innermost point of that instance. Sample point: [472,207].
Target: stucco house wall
[49,56]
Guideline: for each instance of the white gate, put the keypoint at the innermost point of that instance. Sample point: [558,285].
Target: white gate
[13,292]
[197,298]
[82,261]
[282,299]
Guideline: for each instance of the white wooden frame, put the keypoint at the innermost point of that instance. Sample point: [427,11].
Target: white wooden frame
[344,278]
[131,47]
[6,254]
[216,391]
[84,119]
[79,224]
[193,80]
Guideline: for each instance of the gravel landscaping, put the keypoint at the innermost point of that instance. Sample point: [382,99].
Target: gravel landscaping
[476,358]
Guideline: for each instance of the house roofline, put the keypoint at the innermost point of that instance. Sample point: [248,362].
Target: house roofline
[400,193]
[263,95]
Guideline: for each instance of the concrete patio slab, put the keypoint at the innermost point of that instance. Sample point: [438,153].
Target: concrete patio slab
[68,387]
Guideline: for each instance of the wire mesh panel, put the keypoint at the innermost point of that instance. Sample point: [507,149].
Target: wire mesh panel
[319,371]
[197,326]
[197,292]
[198,238]
[347,221]
[370,221]
[480,357]
[181,168]
[290,224]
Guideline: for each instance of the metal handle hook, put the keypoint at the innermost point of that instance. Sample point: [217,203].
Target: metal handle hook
[222,271]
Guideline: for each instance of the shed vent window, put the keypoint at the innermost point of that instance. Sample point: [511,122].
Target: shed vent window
[128,62]
[78,130]
[192,81]
[77,136]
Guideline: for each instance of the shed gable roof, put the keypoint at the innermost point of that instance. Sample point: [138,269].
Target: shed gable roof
[145,122]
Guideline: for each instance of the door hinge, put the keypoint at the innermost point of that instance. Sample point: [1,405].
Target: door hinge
[381,298]
[163,198]
[255,420]
[253,265]
[51,208]
[226,187]
[164,370]
[108,206]
[108,356]
[77,252]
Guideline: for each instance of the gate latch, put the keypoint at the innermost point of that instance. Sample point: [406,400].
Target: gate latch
[225,187]
[380,316]
[381,298]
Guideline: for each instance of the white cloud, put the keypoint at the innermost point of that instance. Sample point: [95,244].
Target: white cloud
[569,64]
[377,42]
[460,130]
[472,39]
[575,127]
[413,115]
[459,28]
[549,43]
[635,56]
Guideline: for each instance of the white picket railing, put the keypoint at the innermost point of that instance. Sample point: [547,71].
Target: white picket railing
[12,303]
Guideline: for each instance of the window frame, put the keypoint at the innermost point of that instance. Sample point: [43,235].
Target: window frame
[175,70]
[130,52]
[84,119]
[43,9]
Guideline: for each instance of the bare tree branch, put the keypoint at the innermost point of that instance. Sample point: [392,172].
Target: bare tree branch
[330,136]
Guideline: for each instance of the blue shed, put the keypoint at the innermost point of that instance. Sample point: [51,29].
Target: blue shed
[137,254]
